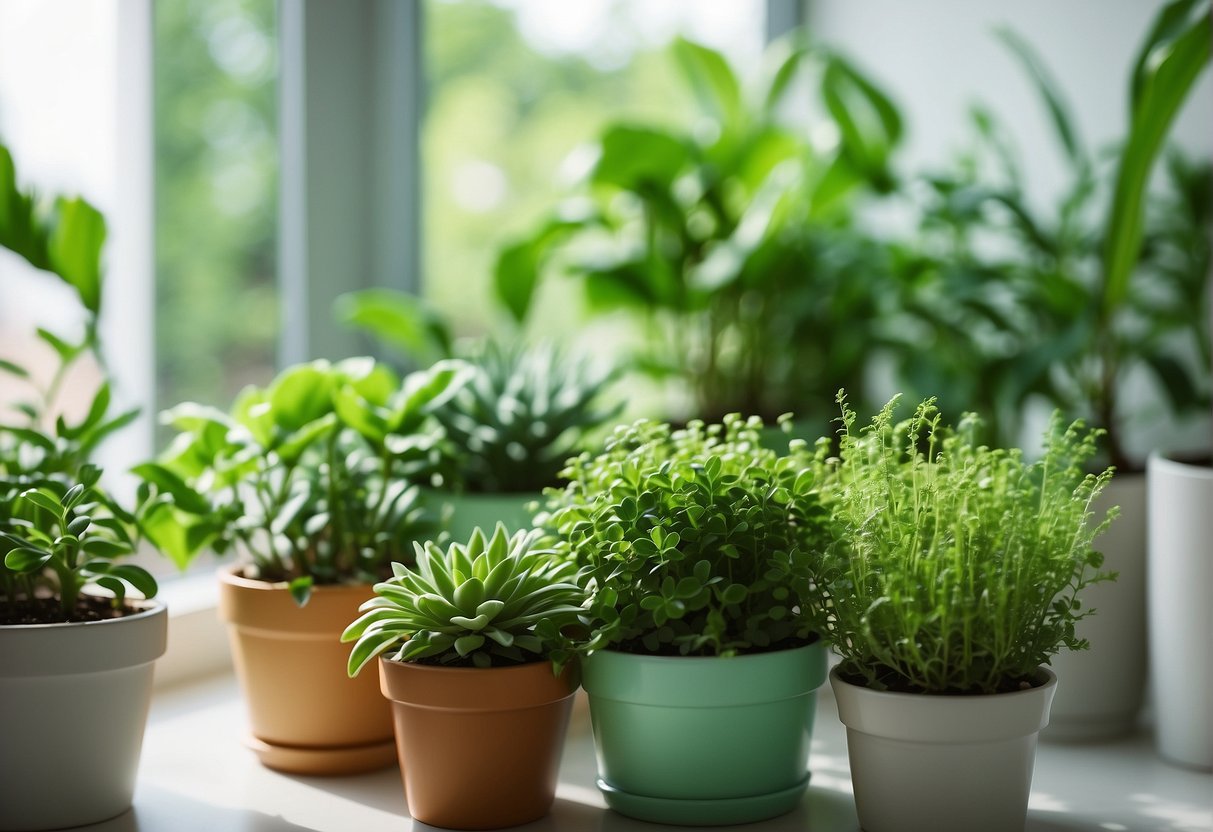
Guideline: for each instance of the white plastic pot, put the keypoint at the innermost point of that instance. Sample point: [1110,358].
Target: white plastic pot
[74,699]
[1100,690]
[1181,609]
[943,763]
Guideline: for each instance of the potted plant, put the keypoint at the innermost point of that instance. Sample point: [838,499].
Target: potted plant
[696,547]
[524,411]
[1022,305]
[78,647]
[953,576]
[474,658]
[308,479]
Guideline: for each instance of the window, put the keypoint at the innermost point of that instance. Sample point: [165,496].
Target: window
[516,88]
[216,198]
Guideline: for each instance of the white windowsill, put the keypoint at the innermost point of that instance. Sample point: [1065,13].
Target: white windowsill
[197,639]
[196,775]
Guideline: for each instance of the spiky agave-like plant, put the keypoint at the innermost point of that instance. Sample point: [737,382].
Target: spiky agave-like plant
[522,415]
[483,603]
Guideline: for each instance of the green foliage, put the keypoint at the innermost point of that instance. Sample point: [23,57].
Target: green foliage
[310,476]
[524,411]
[694,542]
[215,130]
[1005,302]
[54,538]
[731,237]
[486,603]
[956,568]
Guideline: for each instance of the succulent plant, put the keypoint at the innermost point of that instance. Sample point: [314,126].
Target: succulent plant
[522,415]
[484,603]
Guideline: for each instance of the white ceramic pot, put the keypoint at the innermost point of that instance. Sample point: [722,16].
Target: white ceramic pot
[1181,609]
[942,763]
[74,699]
[1100,690]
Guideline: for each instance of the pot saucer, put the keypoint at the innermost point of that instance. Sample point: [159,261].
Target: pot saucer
[689,812]
[326,762]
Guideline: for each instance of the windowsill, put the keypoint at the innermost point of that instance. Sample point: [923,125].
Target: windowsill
[196,775]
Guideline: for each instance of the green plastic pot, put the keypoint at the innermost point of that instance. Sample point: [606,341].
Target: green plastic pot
[486,510]
[704,741]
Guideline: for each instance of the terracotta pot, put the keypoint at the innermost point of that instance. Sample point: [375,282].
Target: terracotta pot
[307,715]
[75,699]
[479,749]
[943,763]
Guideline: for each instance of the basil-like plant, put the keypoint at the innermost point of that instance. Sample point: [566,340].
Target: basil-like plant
[956,567]
[484,603]
[524,410]
[694,542]
[54,540]
[311,477]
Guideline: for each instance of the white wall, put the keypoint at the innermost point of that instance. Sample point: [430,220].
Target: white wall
[938,56]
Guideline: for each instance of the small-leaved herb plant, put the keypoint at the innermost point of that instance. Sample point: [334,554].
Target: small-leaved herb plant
[955,567]
[694,542]
[485,603]
[312,478]
[55,539]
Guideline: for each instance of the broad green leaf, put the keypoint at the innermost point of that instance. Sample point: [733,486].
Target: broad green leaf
[301,589]
[398,319]
[75,249]
[184,496]
[633,157]
[301,394]
[26,560]
[714,84]
[1168,70]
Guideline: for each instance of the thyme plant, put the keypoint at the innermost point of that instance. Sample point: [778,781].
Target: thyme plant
[694,542]
[956,567]
[485,603]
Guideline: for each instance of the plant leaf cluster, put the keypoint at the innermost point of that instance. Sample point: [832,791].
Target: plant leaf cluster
[955,567]
[313,476]
[485,603]
[699,541]
[733,238]
[1005,302]
[524,410]
[55,539]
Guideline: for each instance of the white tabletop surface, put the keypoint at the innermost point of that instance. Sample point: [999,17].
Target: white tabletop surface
[196,775]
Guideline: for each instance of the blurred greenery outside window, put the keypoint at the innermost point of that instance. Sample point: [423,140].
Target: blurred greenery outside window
[517,93]
[216,198]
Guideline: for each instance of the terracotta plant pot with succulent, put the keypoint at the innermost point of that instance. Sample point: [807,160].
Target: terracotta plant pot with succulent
[474,659]
[953,576]
[309,479]
[696,548]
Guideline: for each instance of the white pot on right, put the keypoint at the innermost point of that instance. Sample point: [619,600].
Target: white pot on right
[1100,690]
[943,763]
[1180,604]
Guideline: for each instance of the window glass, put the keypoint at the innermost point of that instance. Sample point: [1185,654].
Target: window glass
[516,88]
[216,203]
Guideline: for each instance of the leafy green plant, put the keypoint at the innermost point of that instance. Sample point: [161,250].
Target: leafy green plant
[955,567]
[697,541]
[732,238]
[58,530]
[1016,303]
[524,410]
[55,539]
[484,603]
[312,477]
